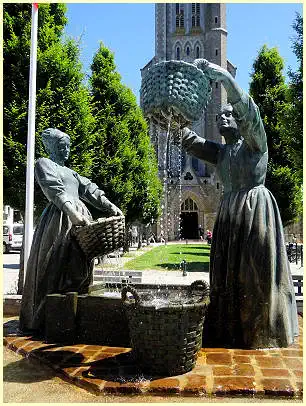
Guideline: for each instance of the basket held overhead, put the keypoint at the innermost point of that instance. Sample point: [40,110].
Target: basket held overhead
[175,89]
[100,237]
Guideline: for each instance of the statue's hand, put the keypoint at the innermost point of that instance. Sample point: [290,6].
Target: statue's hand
[178,134]
[213,71]
[115,210]
[78,219]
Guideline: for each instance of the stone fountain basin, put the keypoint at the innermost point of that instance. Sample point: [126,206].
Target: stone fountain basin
[95,318]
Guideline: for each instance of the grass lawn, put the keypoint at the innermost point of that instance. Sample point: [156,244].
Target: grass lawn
[168,257]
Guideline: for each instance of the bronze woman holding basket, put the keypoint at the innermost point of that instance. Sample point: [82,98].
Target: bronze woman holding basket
[252,298]
[252,295]
[56,263]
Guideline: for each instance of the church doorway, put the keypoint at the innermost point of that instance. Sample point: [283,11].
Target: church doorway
[189,225]
[189,220]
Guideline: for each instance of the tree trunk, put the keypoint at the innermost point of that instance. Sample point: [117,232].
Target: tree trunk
[127,239]
[139,236]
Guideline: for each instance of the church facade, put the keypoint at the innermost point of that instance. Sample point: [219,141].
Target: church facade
[188,31]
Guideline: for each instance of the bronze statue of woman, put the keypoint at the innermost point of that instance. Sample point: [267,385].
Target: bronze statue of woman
[56,263]
[252,295]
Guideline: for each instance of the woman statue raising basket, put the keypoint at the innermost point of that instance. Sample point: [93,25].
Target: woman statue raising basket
[252,298]
[252,295]
[56,263]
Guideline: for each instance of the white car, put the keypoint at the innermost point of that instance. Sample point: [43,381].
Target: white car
[12,237]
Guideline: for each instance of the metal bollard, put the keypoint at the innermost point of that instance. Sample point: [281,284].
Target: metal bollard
[184,263]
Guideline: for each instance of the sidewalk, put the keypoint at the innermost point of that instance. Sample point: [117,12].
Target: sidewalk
[219,372]
[78,373]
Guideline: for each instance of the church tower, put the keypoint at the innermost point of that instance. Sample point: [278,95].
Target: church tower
[188,31]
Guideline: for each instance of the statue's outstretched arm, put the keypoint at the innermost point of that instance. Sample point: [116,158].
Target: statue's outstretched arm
[93,195]
[200,147]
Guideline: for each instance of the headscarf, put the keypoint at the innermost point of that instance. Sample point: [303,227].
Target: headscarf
[50,136]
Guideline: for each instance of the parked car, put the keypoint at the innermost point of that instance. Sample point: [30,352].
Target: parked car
[12,237]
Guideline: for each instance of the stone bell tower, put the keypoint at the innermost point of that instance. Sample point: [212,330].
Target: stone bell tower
[188,31]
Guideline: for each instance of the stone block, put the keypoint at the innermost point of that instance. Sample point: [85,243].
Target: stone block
[60,324]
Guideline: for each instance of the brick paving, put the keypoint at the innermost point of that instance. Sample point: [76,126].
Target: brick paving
[218,371]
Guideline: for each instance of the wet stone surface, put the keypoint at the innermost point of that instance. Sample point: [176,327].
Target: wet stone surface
[218,371]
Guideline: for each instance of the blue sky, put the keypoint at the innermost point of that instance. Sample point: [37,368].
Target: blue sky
[128,29]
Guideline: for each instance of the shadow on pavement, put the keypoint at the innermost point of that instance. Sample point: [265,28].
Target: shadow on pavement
[191,266]
[201,254]
[120,368]
[24,371]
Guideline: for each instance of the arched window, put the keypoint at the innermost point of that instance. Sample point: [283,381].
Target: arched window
[187,51]
[195,19]
[179,15]
[189,205]
[197,52]
[178,53]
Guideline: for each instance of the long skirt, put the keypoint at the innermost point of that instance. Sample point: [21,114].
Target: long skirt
[56,265]
[252,303]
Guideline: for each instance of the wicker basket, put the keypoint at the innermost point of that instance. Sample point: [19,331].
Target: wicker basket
[166,340]
[100,237]
[177,88]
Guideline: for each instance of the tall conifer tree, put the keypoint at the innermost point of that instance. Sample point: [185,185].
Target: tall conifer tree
[291,116]
[62,99]
[125,161]
[269,92]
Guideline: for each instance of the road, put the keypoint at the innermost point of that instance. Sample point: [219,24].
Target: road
[11,263]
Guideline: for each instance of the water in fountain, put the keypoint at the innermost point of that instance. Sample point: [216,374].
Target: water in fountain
[180,187]
[111,267]
[167,297]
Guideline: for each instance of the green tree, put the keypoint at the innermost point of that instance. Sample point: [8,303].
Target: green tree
[125,163]
[291,117]
[62,100]
[269,92]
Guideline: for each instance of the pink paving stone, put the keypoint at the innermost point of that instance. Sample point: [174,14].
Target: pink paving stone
[293,363]
[233,385]
[116,350]
[288,352]
[269,362]
[75,371]
[195,384]
[242,359]
[167,385]
[250,352]
[127,387]
[298,373]
[93,385]
[223,370]
[275,386]
[218,359]
[243,370]
[275,372]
